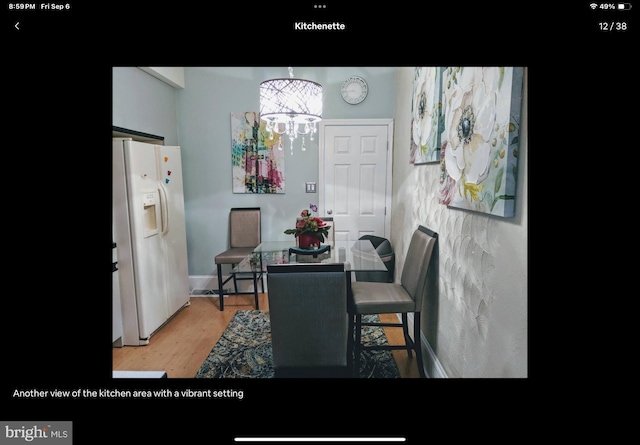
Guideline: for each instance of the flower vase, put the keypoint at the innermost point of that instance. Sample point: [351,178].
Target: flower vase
[305,241]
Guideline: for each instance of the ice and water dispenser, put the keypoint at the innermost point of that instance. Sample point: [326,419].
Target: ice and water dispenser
[150,201]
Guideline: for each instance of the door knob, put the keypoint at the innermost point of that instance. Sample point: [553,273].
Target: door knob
[329,212]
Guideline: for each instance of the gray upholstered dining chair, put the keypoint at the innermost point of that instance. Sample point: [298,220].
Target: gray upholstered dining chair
[245,234]
[395,298]
[309,320]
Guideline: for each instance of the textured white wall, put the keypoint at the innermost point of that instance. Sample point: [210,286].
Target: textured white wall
[477,322]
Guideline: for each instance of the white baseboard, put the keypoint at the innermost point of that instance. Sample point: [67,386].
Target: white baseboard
[199,283]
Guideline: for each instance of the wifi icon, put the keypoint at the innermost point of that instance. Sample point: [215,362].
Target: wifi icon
[593,5]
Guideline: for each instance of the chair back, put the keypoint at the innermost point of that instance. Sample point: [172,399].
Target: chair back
[416,263]
[388,257]
[245,227]
[381,244]
[308,313]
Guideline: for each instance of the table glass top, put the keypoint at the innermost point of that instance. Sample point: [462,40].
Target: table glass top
[357,256]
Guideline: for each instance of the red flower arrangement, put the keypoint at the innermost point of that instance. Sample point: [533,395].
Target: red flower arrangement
[310,225]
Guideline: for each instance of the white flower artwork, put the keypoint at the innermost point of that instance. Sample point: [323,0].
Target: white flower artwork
[480,140]
[426,116]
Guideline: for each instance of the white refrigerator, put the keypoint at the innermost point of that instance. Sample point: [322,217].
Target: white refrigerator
[150,232]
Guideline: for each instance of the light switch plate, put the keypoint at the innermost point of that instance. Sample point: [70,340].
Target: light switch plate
[311,187]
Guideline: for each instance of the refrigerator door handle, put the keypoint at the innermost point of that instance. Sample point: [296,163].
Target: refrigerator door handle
[164,209]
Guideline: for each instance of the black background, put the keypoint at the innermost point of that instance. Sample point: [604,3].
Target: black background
[57,188]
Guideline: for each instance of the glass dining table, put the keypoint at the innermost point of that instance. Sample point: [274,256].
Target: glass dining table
[357,256]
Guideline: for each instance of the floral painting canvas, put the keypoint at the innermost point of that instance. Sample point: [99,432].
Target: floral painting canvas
[480,141]
[258,165]
[426,115]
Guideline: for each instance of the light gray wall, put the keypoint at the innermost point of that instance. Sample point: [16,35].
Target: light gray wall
[143,103]
[204,109]
[476,318]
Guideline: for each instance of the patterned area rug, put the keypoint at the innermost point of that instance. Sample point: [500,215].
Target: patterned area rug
[244,350]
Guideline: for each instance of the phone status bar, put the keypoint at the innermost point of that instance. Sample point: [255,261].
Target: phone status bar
[611,6]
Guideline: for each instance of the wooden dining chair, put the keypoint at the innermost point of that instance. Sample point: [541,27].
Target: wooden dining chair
[245,234]
[395,298]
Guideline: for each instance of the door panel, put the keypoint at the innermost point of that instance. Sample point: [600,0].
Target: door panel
[355,176]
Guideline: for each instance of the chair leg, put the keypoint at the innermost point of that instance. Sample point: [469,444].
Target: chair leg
[405,331]
[357,345]
[255,289]
[235,281]
[350,334]
[418,343]
[220,289]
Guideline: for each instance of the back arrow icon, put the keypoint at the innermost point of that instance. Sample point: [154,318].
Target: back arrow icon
[16,25]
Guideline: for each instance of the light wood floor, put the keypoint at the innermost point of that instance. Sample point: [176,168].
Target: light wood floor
[182,345]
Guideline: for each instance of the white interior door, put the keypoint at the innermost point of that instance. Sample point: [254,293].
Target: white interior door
[355,176]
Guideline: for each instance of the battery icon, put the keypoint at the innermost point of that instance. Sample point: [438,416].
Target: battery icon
[624,6]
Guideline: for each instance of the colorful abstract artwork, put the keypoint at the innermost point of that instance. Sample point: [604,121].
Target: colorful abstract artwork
[426,115]
[258,164]
[480,141]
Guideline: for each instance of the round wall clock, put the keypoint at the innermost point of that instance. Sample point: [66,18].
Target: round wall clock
[354,90]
